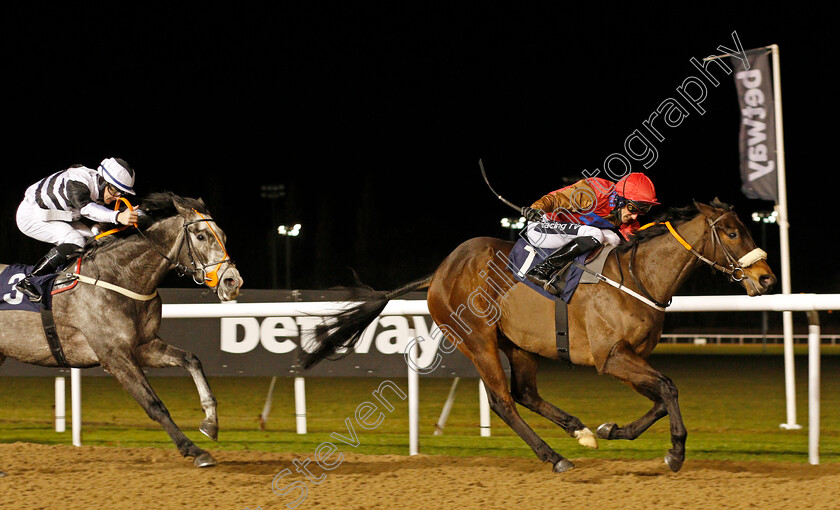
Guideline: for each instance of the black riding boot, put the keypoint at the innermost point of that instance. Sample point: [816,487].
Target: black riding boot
[57,256]
[542,274]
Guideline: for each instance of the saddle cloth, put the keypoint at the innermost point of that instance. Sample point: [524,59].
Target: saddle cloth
[11,299]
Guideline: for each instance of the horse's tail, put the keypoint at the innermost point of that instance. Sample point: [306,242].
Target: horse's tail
[346,327]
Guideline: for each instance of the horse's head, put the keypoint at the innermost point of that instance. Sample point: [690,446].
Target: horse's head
[734,248]
[205,253]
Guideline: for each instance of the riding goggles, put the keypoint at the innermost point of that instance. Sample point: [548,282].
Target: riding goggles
[638,207]
[116,193]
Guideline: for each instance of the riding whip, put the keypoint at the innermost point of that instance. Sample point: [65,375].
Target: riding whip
[500,197]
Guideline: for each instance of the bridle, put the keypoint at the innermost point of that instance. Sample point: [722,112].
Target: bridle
[211,278]
[734,269]
[198,272]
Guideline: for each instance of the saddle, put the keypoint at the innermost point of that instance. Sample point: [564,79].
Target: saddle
[523,256]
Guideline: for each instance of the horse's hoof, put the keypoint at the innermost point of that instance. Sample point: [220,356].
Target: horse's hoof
[209,429]
[586,438]
[204,460]
[604,431]
[673,462]
[563,465]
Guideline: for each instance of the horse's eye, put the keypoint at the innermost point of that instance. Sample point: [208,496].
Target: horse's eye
[201,237]
[733,235]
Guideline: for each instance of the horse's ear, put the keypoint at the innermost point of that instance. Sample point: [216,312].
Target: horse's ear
[721,205]
[200,201]
[182,210]
[707,210]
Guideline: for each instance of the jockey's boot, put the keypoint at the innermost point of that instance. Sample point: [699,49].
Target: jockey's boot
[48,264]
[543,274]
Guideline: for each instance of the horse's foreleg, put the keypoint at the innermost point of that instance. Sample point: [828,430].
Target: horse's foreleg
[133,380]
[624,364]
[523,380]
[159,354]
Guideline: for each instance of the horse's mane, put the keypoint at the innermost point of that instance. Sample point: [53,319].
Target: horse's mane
[675,215]
[159,206]
[156,207]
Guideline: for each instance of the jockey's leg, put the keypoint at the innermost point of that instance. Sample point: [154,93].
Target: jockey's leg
[48,264]
[550,237]
[566,241]
[542,273]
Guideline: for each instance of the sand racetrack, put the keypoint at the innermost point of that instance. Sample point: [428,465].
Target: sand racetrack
[63,477]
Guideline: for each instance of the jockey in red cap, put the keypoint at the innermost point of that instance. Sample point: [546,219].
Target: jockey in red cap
[581,217]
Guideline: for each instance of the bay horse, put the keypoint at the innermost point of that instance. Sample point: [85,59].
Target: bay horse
[99,326]
[608,329]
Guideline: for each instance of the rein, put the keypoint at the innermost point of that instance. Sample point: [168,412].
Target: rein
[735,266]
[123,227]
[735,271]
[200,275]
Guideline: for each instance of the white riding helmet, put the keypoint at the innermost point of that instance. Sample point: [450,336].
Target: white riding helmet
[118,174]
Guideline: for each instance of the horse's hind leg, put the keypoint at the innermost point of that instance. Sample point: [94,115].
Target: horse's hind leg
[624,364]
[128,373]
[490,369]
[159,354]
[523,388]
[633,430]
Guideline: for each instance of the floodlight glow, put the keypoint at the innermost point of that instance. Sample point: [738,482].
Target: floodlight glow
[293,231]
[765,216]
[513,223]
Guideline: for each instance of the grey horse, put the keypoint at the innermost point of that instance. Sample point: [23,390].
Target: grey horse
[101,326]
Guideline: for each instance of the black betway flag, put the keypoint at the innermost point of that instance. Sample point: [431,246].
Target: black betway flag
[757,140]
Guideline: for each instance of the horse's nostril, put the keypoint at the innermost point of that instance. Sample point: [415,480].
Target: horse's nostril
[230,282]
[767,280]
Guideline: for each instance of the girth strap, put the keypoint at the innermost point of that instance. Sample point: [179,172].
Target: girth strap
[561,328]
[52,338]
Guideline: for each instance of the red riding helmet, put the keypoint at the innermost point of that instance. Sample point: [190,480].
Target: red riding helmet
[637,187]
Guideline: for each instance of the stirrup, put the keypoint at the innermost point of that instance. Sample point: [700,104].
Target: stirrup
[549,285]
[24,287]
[538,280]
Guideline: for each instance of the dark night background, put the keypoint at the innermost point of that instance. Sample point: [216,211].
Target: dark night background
[374,115]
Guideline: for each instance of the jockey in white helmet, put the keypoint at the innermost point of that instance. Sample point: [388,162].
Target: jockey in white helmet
[53,207]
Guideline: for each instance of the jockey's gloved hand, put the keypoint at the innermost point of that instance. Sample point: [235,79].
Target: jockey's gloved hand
[531,214]
[127,217]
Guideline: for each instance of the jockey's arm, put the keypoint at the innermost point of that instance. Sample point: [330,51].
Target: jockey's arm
[79,197]
[99,213]
[578,197]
